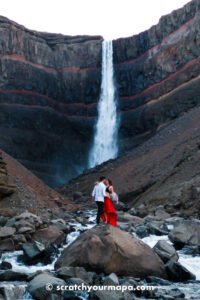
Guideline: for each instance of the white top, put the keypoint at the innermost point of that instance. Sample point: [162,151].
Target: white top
[99,192]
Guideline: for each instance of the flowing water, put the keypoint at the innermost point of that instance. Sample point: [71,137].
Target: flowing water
[17,290]
[105,144]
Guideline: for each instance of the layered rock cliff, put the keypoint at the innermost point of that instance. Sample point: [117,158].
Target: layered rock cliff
[50,86]
[157,72]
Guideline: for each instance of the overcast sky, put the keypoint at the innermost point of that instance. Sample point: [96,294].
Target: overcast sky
[109,18]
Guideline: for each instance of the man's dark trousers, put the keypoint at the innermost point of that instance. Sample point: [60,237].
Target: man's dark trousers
[100,206]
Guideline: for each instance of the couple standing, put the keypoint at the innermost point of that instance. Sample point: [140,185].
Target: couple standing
[104,195]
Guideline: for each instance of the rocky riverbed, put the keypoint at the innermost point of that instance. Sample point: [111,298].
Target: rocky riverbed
[158,250]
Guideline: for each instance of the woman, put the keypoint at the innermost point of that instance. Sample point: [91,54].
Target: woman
[109,215]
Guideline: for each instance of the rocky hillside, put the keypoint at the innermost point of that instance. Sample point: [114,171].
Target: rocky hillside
[164,170]
[50,85]
[21,190]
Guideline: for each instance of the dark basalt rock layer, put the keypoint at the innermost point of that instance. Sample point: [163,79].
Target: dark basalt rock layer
[50,85]
[157,72]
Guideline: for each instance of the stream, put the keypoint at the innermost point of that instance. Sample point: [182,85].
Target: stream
[17,290]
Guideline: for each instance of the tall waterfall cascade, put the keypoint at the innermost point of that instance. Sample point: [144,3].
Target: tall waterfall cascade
[105,144]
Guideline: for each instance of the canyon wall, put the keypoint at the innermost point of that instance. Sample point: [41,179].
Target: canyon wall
[50,86]
[157,73]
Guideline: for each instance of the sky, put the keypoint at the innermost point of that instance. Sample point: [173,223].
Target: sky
[109,18]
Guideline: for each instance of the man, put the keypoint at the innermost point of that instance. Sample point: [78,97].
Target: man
[98,194]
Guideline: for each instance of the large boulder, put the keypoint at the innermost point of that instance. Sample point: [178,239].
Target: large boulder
[108,249]
[185,233]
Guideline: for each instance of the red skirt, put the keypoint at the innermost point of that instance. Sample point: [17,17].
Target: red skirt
[109,214]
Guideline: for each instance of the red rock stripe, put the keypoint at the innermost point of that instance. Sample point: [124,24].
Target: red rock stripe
[170,77]
[21,58]
[158,46]
[153,101]
[49,99]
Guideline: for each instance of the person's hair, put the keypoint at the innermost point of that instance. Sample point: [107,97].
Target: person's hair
[102,178]
[110,182]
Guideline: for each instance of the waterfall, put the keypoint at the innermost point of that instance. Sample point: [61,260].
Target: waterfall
[105,144]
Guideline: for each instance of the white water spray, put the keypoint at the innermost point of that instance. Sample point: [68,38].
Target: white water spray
[105,140]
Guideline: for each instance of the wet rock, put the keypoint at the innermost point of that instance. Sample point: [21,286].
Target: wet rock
[185,233]
[5,265]
[44,285]
[49,235]
[7,231]
[142,231]
[108,249]
[176,272]
[166,251]
[191,250]
[153,280]
[169,294]
[36,252]
[9,275]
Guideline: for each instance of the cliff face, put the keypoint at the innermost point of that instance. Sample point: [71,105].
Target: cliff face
[50,86]
[157,72]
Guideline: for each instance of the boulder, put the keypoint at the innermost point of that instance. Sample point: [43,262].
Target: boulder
[79,272]
[126,217]
[9,275]
[108,249]
[5,265]
[49,235]
[7,231]
[185,233]
[165,251]
[36,252]
[44,285]
[176,272]
[7,245]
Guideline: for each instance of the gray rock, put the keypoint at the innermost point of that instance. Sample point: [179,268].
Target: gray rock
[166,251]
[7,231]
[69,272]
[7,245]
[176,272]
[108,249]
[43,285]
[185,233]
[9,275]
[142,231]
